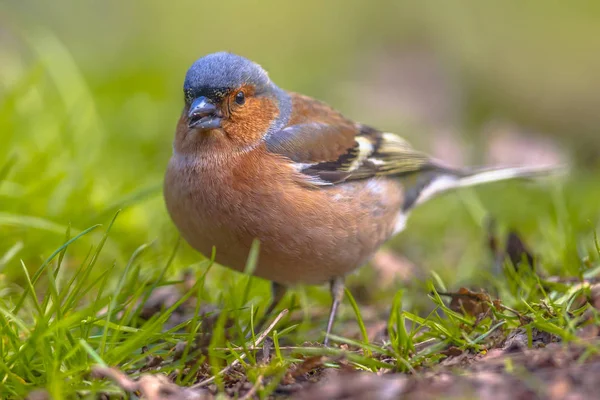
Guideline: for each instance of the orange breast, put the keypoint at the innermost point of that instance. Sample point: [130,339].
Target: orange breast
[307,234]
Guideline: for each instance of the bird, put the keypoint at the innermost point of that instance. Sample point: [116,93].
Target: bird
[320,192]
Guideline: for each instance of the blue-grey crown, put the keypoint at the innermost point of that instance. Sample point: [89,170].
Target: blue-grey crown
[219,72]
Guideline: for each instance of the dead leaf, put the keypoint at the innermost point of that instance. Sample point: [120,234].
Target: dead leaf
[151,387]
[471,303]
[308,365]
[452,351]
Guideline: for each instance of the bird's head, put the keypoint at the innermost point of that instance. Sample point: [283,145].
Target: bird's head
[231,103]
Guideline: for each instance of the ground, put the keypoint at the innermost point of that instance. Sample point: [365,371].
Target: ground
[162,342]
[489,292]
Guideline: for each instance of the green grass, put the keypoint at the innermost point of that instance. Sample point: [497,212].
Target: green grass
[74,270]
[57,326]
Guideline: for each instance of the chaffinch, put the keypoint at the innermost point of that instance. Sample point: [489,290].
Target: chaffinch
[320,192]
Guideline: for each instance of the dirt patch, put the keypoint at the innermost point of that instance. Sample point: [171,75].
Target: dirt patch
[516,362]
[556,371]
[553,372]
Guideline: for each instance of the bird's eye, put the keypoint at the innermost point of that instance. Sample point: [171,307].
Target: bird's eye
[240,98]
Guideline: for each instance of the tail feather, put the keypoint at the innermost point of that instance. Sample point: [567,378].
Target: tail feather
[445,179]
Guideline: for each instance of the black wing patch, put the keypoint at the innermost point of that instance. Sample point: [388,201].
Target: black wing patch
[330,154]
[374,154]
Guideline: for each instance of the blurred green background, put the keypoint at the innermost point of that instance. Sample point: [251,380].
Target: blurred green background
[90,92]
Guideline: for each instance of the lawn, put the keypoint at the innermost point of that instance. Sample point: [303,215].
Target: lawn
[100,297]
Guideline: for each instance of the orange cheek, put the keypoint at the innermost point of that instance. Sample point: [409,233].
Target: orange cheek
[249,123]
[182,127]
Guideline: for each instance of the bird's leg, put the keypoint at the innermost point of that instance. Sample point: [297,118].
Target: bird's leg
[278,291]
[337,294]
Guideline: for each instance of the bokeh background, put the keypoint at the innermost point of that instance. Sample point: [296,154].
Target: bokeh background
[90,92]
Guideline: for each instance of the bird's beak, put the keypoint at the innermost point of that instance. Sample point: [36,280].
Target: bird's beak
[203,115]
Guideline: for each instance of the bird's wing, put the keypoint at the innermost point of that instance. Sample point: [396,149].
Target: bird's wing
[331,149]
